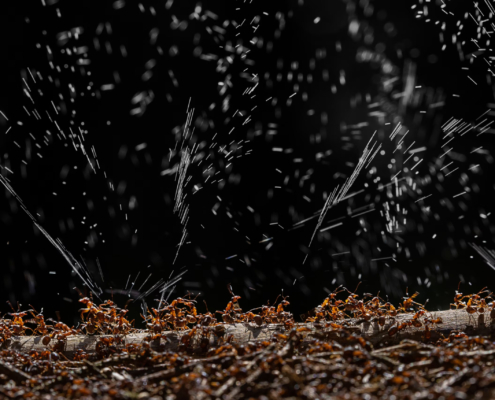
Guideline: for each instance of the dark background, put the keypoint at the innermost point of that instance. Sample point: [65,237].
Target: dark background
[264,193]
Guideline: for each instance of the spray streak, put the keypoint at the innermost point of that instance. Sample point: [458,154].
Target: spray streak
[180,207]
[488,255]
[163,288]
[334,199]
[75,265]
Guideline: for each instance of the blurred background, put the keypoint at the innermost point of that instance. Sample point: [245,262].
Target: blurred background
[283,98]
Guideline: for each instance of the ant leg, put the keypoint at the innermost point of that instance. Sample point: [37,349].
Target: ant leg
[25,327]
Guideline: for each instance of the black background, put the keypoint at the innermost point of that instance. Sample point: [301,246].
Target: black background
[27,258]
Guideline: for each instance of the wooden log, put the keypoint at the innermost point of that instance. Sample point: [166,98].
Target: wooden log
[452,320]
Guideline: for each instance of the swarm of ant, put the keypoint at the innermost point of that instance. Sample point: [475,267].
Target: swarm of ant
[373,309]
[324,356]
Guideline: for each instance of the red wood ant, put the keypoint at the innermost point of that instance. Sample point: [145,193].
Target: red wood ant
[229,315]
[41,327]
[18,327]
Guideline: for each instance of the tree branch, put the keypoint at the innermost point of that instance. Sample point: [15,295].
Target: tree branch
[453,320]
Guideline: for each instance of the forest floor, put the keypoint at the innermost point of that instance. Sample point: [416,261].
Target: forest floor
[348,349]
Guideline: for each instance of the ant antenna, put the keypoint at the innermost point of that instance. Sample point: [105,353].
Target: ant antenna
[339,289]
[483,290]
[10,304]
[33,309]
[206,305]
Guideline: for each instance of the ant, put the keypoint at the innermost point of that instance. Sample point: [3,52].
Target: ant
[157,323]
[268,313]
[60,331]
[17,320]
[61,339]
[107,345]
[207,318]
[123,326]
[351,303]
[186,340]
[475,302]
[458,303]
[229,315]
[492,310]
[249,316]
[430,321]
[91,308]
[283,316]
[203,335]
[329,301]
[415,321]
[408,303]
[399,327]
[39,320]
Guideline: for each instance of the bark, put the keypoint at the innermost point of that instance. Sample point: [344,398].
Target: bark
[453,320]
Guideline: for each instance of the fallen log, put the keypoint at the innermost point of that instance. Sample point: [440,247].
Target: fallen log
[452,321]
